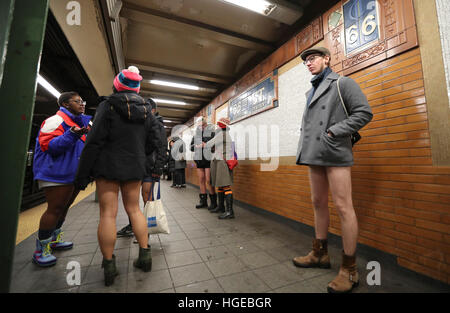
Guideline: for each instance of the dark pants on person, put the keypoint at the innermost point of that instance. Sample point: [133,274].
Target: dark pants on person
[179,177]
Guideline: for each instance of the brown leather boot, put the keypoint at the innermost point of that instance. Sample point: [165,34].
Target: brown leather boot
[348,277]
[318,257]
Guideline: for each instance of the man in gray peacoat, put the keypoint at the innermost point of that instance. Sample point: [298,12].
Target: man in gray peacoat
[325,147]
[326,114]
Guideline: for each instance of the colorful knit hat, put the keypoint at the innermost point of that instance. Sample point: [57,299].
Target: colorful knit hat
[128,80]
[223,122]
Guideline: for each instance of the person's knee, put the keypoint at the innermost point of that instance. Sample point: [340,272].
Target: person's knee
[108,214]
[56,208]
[346,212]
[344,207]
[319,202]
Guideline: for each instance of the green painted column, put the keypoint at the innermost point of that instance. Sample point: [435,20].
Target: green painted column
[17,95]
[6,14]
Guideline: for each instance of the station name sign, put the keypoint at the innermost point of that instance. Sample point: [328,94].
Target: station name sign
[261,97]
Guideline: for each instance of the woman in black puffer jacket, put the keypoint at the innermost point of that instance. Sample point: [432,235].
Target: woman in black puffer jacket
[123,135]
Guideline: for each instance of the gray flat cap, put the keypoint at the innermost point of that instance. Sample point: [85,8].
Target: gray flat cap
[321,50]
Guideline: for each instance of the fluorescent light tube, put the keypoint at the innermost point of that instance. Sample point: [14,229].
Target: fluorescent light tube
[169,101]
[171,84]
[41,81]
[259,6]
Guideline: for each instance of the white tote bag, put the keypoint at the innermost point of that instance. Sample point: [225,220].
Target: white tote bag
[155,215]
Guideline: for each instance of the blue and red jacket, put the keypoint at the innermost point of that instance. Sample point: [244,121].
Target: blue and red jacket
[58,149]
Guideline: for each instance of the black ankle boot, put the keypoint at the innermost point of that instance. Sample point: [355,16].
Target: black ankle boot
[213,198]
[110,270]
[203,201]
[229,213]
[221,205]
[144,261]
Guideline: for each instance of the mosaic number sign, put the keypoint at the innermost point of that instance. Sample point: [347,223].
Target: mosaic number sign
[361,23]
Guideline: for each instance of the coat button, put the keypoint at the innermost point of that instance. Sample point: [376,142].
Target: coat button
[321,123]
[323,107]
[318,138]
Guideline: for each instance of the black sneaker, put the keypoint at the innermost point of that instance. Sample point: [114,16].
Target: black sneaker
[127,231]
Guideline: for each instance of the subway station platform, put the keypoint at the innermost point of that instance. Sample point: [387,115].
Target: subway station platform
[249,254]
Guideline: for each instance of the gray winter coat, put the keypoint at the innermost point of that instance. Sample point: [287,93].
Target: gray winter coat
[325,113]
[221,175]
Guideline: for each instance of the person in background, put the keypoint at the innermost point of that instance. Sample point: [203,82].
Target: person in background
[325,147]
[171,163]
[154,165]
[203,134]
[221,175]
[115,155]
[59,143]
[166,174]
[179,155]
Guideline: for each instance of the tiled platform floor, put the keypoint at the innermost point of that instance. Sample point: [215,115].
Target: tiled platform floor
[251,253]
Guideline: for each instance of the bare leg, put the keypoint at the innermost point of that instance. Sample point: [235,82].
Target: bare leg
[208,181]
[146,187]
[319,195]
[108,192]
[201,180]
[130,197]
[58,199]
[341,191]
[72,199]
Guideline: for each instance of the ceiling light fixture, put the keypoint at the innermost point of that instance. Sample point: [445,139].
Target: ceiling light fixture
[176,85]
[169,101]
[44,83]
[259,6]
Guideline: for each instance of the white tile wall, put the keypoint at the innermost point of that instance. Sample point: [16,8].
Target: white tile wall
[292,86]
[443,12]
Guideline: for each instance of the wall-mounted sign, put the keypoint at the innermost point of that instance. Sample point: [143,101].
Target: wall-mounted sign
[222,111]
[360,23]
[261,97]
[360,33]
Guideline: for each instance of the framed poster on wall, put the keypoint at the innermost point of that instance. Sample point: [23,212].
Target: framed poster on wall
[222,111]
